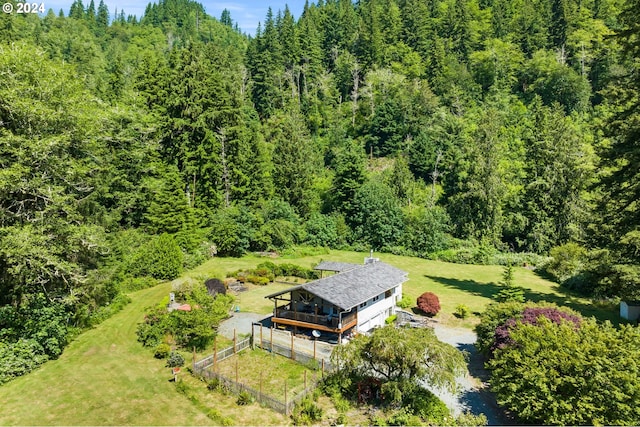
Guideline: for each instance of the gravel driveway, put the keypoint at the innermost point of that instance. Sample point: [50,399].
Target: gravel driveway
[474,395]
[241,322]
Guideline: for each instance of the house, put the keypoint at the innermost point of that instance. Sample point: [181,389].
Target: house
[357,298]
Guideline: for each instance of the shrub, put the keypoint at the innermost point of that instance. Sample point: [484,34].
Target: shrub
[162,351]
[20,358]
[130,284]
[558,374]
[258,280]
[152,330]
[469,419]
[519,258]
[306,412]
[389,320]
[160,258]
[244,398]
[405,302]
[531,316]
[175,359]
[566,261]
[494,315]
[426,405]
[462,311]
[104,312]
[264,272]
[403,417]
[188,329]
[429,303]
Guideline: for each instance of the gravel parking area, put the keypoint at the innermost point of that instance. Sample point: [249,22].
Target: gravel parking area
[241,322]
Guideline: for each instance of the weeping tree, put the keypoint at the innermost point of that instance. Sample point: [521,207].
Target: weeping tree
[400,355]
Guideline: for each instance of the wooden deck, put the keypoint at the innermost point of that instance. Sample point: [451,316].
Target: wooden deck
[314,321]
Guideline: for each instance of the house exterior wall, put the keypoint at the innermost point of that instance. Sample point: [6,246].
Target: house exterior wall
[376,310]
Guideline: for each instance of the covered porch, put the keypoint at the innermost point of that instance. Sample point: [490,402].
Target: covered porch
[300,309]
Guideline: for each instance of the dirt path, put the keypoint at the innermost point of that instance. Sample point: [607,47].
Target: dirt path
[474,395]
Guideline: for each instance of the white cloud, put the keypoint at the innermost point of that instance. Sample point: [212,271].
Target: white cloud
[232,7]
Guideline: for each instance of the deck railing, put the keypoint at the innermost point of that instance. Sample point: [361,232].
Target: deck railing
[318,319]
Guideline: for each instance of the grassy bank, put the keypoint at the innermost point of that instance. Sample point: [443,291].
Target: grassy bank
[105,377]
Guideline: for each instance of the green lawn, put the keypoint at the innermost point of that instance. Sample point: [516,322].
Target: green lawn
[105,377]
[471,285]
[273,371]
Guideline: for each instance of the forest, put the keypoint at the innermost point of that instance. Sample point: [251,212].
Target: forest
[469,131]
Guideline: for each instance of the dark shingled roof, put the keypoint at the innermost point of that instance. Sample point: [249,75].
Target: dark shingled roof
[335,266]
[353,287]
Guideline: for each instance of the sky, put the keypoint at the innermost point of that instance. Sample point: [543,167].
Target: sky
[247,13]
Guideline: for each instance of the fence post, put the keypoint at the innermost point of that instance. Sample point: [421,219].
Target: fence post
[286,402]
[215,353]
[252,337]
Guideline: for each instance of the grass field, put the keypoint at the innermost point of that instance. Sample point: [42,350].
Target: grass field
[273,370]
[105,377]
[471,285]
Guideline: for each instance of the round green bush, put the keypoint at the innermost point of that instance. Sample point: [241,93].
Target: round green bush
[175,360]
[462,311]
[162,351]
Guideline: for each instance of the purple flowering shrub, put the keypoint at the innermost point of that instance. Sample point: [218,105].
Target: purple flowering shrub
[530,315]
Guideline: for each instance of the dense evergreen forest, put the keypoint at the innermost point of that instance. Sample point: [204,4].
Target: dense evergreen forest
[478,131]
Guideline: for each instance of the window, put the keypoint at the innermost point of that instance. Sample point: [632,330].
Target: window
[363,304]
[388,293]
[376,298]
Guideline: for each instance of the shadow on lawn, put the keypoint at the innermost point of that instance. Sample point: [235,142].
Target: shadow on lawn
[488,290]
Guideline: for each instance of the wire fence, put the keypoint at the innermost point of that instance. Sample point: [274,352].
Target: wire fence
[284,406]
[283,343]
[311,353]
[302,357]
[222,354]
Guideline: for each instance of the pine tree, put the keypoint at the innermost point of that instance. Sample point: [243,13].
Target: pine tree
[225,18]
[102,19]
[77,10]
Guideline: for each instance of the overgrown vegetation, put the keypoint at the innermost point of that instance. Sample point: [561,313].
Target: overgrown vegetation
[388,368]
[185,329]
[552,367]
[268,271]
